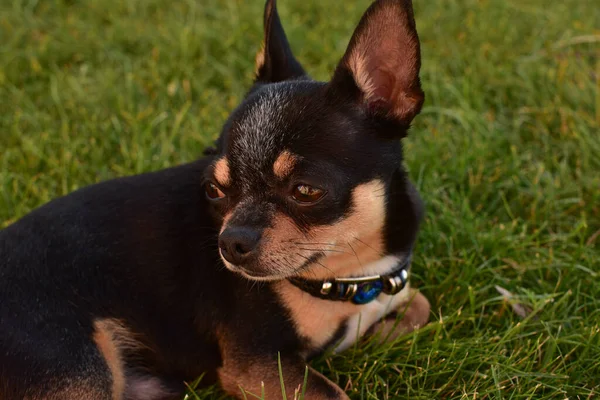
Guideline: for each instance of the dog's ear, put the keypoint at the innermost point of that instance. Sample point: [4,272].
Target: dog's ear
[275,61]
[381,66]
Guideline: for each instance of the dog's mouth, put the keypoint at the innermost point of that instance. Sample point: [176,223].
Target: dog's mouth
[275,273]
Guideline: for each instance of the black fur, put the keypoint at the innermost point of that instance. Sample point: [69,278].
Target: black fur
[143,249]
[137,249]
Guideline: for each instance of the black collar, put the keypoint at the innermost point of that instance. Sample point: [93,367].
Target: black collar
[360,290]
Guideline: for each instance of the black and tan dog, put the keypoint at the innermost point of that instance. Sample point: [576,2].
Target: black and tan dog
[292,235]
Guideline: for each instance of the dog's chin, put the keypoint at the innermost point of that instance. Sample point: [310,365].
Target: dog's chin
[262,278]
[256,275]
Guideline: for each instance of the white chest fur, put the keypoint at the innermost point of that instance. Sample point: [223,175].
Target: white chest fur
[318,320]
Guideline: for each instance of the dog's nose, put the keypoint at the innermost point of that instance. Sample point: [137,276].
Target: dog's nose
[238,244]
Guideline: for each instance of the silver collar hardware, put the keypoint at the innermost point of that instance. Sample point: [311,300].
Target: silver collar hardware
[359,290]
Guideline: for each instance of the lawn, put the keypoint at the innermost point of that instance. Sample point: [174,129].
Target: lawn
[506,154]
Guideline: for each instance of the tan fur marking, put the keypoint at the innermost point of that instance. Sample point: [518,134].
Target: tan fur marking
[108,348]
[112,337]
[318,320]
[284,165]
[222,172]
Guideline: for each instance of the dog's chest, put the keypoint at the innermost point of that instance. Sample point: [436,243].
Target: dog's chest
[317,320]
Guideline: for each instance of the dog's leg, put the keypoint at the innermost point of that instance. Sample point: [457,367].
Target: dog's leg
[241,374]
[113,338]
[414,313]
[56,363]
[89,380]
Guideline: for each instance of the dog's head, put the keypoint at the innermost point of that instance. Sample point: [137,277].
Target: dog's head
[308,177]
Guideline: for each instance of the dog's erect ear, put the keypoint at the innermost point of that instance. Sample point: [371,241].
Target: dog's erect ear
[275,61]
[381,65]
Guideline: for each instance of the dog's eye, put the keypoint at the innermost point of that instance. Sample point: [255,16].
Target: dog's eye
[213,192]
[307,194]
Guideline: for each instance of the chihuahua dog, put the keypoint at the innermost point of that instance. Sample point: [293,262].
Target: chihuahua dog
[292,235]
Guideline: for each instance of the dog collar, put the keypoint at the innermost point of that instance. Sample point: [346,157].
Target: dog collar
[360,290]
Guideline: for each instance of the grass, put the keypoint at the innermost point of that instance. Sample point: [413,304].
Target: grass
[506,154]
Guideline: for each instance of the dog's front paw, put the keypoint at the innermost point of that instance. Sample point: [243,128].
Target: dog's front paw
[321,388]
[414,314]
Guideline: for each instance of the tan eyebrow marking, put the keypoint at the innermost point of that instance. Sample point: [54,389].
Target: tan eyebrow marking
[284,164]
[222,172]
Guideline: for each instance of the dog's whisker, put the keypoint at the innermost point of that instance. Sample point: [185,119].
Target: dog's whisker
[322,250]
[318,243]
[208,242]
[316,262]
[290,262]
[355,254]
[369,246]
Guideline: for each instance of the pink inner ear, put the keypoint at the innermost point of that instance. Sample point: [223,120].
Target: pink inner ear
[383,83]
[382,89]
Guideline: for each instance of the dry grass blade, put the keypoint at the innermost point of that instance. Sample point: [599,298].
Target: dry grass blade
[520,309]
